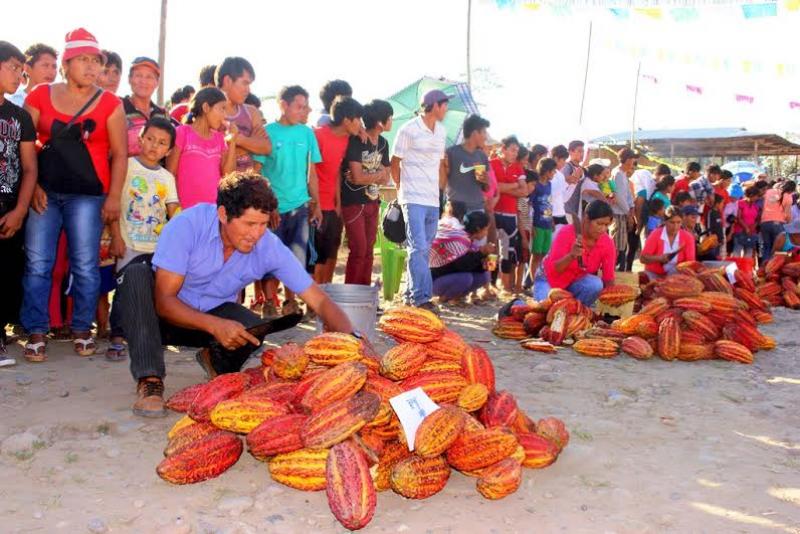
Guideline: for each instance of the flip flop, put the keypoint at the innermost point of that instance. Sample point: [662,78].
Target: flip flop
[84,347]
[35,352]
[116,352]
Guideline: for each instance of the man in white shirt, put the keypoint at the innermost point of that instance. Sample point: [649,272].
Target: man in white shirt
[418,171]
[41,66]
[559,185]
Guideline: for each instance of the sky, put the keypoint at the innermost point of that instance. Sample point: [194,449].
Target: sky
[528,65]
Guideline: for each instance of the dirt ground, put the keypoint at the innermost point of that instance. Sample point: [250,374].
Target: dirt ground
[656,447]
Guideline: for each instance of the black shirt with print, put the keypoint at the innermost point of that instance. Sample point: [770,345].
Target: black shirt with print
[16,126]
[371,157]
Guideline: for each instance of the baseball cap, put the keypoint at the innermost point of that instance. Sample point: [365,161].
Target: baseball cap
[143,61]
[78,42]
[434,96]
[689,210]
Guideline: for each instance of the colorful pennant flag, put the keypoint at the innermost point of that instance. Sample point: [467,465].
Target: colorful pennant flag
[649,78]
[619,12]
[684,14]
[745,99]
[792,5]
[695,89]
[794,105]
[650,12]
[756,11]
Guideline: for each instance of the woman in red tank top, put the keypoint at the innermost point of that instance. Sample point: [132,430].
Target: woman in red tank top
[57,206]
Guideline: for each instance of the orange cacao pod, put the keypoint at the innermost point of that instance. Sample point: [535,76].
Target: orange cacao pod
[745,334]
[669,339]
[181,400]
[509,328]
[702,324]
[720,302]
[791,269]
[338,421]
[744,280]
[691,267]
[333,348]
[693,337]
[714,280]
[769,289]
[632,325]
[761,317]
[538,345]
[539,451]
[500,410]
[617,295]
[473,397]
[791,300]
[477,367]
[242,416]
[655,307]
[277,435]
[476,450]
[557,294]
[438,431]
[279,390]
[419,478]
[337,383]
[533,322]
[303,469]
[449,347]
[415,325]
[403,360]
[677,286]
[201,460]
[692,352]
[752,300]
[187,436]
[775,264]
[221,388]
[393,452]
[692,304]
[637,347]
[523,423]
[598,348]
[180,424]
[554,430]
[500,480]
[603,333]
[441,387]
[432,365]
[577,324]
[289,361]
[569,305]
[349,487]
[732,351]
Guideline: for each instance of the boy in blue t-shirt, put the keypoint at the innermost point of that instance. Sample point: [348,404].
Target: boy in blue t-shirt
[540,200]
[656,215]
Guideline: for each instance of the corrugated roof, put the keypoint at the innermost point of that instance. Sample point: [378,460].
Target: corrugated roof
[693,142]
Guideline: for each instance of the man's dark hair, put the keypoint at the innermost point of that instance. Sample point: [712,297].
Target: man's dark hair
[35,51]
[751,191]
[682,197]
[475,221]
[9,51]
[112,59]
[331,90]
[161,123]
[726,175]
[523,153]
[625,154]
[665,182]
[538,151]
[656,205]
[597,209]
[240,190]
[713,169]
[206,95]
[762,185]
[289,92]
[692,166]
[663,170]
[344,107]
[234,68]
[207,75]
[573,145]
[510,140]
[474,123]
[181,94]
[377,112]
[546,165]
[253,100]
[559,152]
[595,169]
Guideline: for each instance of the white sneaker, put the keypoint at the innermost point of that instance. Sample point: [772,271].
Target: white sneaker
[7,361]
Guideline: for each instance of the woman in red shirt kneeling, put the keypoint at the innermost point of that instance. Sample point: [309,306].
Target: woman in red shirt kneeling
[561,267]
[667,246]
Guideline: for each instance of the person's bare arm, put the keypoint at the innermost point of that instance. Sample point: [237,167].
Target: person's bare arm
[39,199]
[12,221]
[231,334]
[313,192]
[173,208]
[173,158]
[259,142]
[228,162]
[517,189]
[442,173]
[118,145]
[395,165]
[332,315]
[359,177]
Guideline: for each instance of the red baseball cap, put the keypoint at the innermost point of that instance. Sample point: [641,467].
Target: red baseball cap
[79,42]
[143,61]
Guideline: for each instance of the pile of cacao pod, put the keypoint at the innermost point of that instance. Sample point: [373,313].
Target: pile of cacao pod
[319,416]
[777,282]
[694,315]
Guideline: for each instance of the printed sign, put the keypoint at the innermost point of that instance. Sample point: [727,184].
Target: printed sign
[730,269]
[411,408]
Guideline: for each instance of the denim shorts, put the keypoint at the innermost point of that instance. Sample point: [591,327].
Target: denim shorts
[293,232]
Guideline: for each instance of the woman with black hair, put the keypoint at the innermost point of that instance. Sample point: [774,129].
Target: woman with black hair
[575,260]
[458,265]
[777,211]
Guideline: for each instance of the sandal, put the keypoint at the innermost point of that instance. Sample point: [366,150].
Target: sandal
[84,346]
[116,351]
[36,351]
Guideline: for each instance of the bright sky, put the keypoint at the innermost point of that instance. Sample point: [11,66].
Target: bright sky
[530,62]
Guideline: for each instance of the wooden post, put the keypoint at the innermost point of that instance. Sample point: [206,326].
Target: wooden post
[586,73]
[162,45]
[635,102]
[469,43]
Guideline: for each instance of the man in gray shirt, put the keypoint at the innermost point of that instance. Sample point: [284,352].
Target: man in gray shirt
[622,205]
[467,167]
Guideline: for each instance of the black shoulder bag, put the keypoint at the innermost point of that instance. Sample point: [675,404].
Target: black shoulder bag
[65,165]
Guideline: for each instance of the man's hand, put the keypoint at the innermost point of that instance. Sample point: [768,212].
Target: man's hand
[111,210]
[39,200]
[316,216]
[117,247]
[11,222]
[232,334]
[577,249]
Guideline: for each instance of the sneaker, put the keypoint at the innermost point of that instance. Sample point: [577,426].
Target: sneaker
[5,359]
[150,403]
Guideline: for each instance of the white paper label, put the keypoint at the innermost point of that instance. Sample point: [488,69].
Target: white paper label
[411,408]
[729,270]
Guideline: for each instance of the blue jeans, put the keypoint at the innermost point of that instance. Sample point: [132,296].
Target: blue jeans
[293,232]
[455,285]
[79,216]
[421,222]
[769,232]
[586,288]
[743,243]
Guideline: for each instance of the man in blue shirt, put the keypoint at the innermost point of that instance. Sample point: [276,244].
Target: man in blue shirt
[204,258]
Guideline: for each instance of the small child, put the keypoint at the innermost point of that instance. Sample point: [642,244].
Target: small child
[541,203]
[712,226]
[683,199]
[656,215]
[525,225]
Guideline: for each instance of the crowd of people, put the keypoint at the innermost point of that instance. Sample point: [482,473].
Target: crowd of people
[176,210]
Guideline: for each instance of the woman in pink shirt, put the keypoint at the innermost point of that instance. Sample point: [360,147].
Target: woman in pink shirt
[573,264]
[777,212]
[203,154]
[745,235]
[667,246]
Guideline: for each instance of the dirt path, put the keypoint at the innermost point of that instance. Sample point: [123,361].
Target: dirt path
[656,447]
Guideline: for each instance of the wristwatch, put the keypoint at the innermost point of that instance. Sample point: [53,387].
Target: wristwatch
[357,334]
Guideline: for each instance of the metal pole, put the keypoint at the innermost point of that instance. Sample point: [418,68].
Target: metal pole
[635,102]
[162,45]
[586,73]
[469,39]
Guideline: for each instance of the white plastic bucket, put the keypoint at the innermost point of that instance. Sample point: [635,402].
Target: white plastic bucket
[359,303]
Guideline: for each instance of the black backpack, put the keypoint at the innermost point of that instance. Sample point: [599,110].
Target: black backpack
[394,224]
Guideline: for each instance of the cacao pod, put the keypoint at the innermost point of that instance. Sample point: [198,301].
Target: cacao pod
[449,347]
[221,388]
[289,361]
[701,324]
[476,450]
[732,351]
[338,421]
[537,345]
[599,348]
[419,478]
[655,307]
[500,480]
[637,347]
[473,397]
[415,325]
[303,469]
[403,360]
[509,328]
[617,295]
[554,430]
[181,400]
[392,454]
[533,322]
[477,368]
[669,339]
[349,487]
[500,410]
[337,383]
[278,435]
[187,436]
[677,286]
[333,348]
[201,460]
[539,451]
[692,304]
[242,416]
[438,431]
[441,387]
[692,352]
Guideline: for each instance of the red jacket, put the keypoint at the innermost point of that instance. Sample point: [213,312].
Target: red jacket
[654,246]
